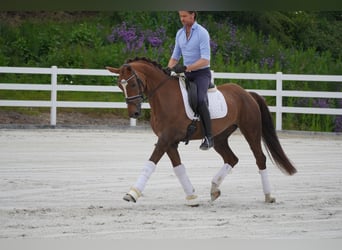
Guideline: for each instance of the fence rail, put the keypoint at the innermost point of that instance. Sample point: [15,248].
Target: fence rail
[54,87]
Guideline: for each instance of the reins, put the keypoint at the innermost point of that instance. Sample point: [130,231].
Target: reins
[152,92]
[140,84]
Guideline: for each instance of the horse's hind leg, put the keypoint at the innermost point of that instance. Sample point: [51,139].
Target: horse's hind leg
[253,137]
[180,172]
[221,146]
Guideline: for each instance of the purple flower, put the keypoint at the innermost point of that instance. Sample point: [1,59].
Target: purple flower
[140,42]
[267,62]
[213,47]
[129,35]
[232,31]
[111,38]
[338,123]
[136,39]
[156,38]
[321,103]
[155,41]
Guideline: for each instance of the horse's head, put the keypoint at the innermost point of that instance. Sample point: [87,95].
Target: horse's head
[136,77]
[132,87]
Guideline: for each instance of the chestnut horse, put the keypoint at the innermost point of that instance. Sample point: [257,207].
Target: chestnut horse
[142,78]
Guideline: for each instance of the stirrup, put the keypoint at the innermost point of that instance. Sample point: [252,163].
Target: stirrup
[207,143]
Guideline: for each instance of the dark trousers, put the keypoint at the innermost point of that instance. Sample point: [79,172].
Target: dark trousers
[202,79]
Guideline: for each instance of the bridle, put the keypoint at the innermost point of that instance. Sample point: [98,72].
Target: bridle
[140,96]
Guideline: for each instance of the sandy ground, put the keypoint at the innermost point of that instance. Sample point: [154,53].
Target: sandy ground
[69,183]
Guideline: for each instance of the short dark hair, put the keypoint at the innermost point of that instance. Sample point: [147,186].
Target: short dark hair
[193,12]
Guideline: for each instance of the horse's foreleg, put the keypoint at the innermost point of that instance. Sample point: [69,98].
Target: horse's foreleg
[149,167]
[180,172]
[139,186]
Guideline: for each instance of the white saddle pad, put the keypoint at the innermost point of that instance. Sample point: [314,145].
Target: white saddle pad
[217,104]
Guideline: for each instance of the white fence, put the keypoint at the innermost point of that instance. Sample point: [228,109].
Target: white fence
[54,87]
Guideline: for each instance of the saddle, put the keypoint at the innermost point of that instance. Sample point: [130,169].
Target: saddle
[191,88]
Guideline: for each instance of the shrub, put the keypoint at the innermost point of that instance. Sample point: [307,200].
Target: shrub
[96,40]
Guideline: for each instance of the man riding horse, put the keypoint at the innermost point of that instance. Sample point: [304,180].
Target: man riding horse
[193,43]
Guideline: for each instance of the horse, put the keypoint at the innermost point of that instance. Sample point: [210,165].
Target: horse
[142,78]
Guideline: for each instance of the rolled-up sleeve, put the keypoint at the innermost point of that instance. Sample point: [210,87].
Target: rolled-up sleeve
[205,45]
[177,52]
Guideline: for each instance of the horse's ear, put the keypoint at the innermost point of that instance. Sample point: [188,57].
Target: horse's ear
[113,70]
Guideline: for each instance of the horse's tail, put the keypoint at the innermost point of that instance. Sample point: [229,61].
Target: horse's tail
[271,139]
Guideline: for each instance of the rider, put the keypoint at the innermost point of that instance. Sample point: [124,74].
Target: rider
[193,43]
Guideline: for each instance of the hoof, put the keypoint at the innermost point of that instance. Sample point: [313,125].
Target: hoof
[192,201]
[132,195]
[269,199]
[214,195]
[215,192]
[129,198]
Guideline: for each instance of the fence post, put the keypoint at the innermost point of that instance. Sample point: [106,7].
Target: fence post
[279,101]
[53,110]
[132,122]
[212,76]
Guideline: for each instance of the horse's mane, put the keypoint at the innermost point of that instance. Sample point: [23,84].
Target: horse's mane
[148,60]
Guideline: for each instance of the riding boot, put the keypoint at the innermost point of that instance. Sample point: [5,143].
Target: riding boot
[206,122]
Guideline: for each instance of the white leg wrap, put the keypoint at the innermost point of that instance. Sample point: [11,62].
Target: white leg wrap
[134,193]
[147,171]
[264,180]
[219,177]
[184,179]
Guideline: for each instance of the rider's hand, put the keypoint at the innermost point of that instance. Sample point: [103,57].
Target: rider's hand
[168,70]
[179,68]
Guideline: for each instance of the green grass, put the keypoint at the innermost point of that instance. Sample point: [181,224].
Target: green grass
[72,40]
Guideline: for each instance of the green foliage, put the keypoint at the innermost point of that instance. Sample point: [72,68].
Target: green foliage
[261,42]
